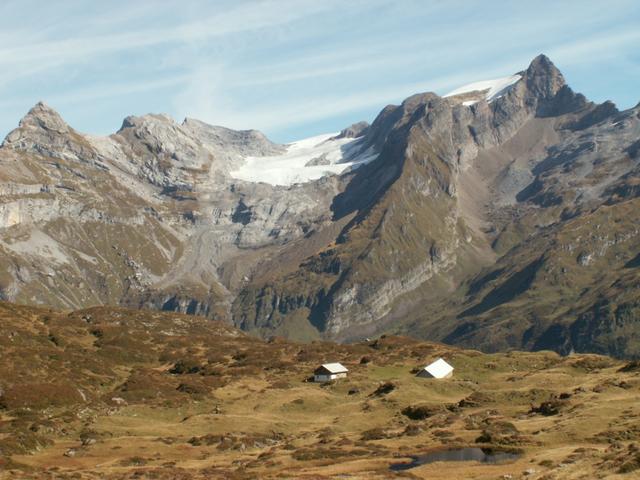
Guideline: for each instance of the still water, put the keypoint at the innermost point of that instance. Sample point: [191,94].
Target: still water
[483,455]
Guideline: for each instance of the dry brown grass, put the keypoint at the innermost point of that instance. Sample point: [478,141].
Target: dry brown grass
[196,399]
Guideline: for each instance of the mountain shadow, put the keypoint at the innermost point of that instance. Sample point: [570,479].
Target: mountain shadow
[516,284]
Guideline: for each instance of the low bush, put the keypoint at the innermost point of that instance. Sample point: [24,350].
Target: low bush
[422,412]
[549,408]
[384,389]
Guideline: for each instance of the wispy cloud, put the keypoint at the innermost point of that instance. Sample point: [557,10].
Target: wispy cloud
[46,54]
[609,44]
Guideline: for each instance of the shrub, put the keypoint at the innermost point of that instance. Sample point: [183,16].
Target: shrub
[40,395]
[192,388]
[501,433]
[412,430]
[551,407]
[374,434]
[633,366]
[421,412]
[182,367]
[146,384]
[133,462]
[384,389]
[590,363]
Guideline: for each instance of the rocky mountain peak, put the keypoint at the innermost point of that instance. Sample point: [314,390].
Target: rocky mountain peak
[40,120]
[41,127]
[412,102]
[543,78]
[160,136]
[43,116]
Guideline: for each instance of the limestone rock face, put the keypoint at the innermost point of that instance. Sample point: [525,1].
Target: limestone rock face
[43,117]
[43,131]
[225,140]
[148,216]
[470,215]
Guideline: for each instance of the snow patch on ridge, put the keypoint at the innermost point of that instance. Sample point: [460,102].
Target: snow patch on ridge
[306,160]
[494,88]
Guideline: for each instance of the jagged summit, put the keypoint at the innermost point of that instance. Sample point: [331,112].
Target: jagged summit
[543,78]
[195,123]
[42,115]
[542,65]
[539,83]
[40,127]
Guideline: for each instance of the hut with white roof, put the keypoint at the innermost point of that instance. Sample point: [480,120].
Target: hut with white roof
[437,369]
[329,371]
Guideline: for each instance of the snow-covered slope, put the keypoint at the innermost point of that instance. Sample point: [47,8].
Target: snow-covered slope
[494,88]
[306,160]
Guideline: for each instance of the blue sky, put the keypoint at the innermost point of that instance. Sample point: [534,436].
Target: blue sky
[295,68]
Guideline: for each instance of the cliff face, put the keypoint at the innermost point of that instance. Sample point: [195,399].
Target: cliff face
[485,217]
[423,216]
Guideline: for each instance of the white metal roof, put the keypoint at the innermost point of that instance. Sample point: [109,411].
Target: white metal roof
[439,368]
[335,367]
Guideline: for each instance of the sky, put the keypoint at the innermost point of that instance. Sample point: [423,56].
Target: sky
[295,68]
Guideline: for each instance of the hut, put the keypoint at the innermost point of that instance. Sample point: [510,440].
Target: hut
[437,369]
[329,371]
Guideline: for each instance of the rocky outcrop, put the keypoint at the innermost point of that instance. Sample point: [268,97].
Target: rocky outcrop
[354,131]
[226,141]
[43,132]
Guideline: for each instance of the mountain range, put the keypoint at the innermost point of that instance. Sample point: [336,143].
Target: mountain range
[503,215]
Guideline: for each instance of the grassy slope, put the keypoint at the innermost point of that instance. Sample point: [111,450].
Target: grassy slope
[543,294]
[98,386]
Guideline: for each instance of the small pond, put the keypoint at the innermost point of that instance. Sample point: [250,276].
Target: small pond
[483,455]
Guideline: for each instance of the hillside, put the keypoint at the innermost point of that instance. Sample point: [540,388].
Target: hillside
[113,393]
[502,215]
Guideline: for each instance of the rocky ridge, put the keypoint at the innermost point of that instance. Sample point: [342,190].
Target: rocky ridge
[456,231]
